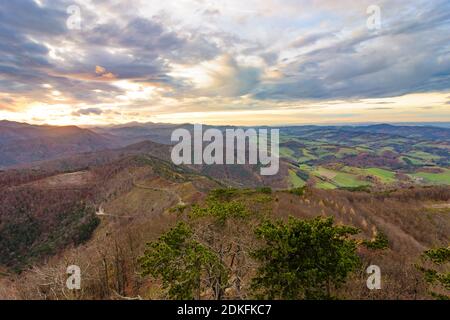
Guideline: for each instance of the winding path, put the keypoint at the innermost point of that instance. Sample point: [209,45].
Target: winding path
[101,211]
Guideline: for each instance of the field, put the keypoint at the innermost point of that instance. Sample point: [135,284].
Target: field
[338,179]
[341,158]
[295,180]
[434,178]
[384,176]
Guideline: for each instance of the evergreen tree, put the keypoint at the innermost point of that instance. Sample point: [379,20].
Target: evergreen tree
[185,266]
[437,275]
[303,259]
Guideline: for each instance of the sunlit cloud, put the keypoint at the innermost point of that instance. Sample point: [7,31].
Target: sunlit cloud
[252,62]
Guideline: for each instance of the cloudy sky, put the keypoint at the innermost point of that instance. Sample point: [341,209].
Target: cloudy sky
[224,62]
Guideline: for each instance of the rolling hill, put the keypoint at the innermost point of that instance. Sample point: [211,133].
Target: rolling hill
[23,143]
[98,209]
[350,156]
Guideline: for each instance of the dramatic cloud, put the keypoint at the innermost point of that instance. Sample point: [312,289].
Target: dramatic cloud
[175,60]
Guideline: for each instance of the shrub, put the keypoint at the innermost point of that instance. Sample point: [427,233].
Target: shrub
[300,191]
[380,242]
[265,190]
[437,275]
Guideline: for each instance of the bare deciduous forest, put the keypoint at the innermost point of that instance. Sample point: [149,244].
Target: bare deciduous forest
[49,221]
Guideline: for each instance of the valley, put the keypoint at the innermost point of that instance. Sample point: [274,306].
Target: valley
[375,156]
[99,209]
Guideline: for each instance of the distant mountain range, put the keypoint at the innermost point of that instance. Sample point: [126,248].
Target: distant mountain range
[22,143]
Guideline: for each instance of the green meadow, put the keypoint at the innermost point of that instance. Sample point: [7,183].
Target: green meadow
[295,180]
[434,178]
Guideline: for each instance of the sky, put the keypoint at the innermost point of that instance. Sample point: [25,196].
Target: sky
[253,62]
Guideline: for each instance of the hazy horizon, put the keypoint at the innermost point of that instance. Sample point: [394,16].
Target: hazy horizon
[438,124]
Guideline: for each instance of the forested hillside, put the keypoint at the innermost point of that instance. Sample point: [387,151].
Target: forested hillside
[120,219]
